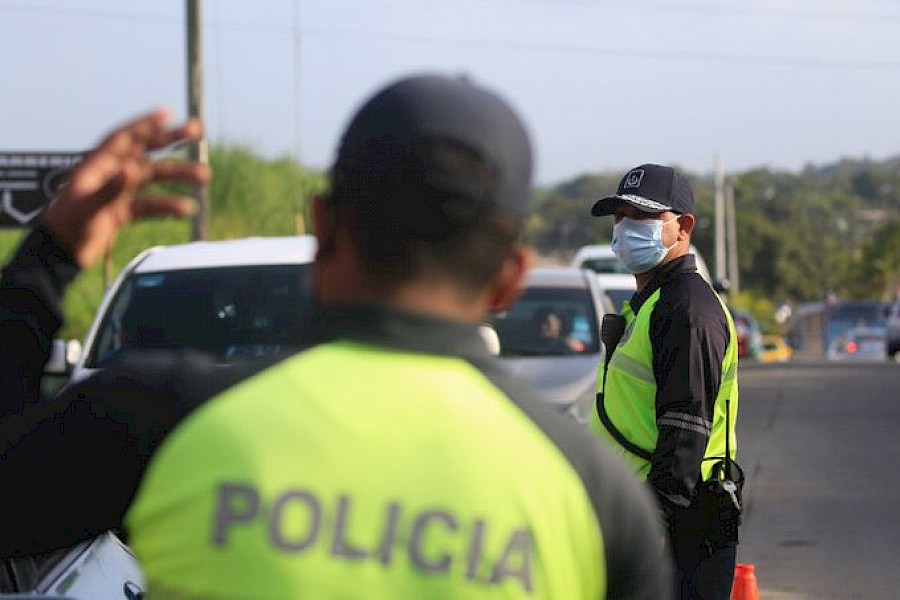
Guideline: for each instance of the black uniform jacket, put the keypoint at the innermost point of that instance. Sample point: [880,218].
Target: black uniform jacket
[689,335]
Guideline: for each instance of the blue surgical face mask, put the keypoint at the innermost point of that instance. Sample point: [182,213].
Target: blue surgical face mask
[638,243]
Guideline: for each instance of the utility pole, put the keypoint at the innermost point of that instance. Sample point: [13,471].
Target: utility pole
[733,276]
[719,180]
[199,151]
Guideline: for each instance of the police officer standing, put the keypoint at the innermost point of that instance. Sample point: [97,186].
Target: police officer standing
[396,457]
[667,395]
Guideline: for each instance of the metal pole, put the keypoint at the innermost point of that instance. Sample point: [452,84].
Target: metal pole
[719,219]
[198,151]
[733,276]
[302,204]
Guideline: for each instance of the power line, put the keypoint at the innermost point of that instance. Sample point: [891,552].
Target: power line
[628,53]
[715,10]
[682,8]
[57,9]
[87,13]
[617,51]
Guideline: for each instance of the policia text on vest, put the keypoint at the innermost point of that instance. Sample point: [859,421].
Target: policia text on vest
[296,520]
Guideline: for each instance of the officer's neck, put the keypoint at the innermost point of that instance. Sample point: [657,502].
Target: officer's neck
[643,279]
[344,281]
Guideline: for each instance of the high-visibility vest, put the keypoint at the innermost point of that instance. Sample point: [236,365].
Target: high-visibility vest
[628,388]
[356,471]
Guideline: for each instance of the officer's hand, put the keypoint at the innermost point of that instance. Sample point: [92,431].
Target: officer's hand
[100,198]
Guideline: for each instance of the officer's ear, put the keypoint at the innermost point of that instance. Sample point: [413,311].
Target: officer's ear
[510,279]
[686,223]
[324,224]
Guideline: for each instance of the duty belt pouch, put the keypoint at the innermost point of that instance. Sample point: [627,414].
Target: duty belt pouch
[721,502]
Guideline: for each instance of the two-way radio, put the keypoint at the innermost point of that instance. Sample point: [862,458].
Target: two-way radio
[721,496]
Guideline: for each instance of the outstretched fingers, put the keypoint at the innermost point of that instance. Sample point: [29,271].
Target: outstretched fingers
[168,206]
[102,194]
[193,173]
[124,152]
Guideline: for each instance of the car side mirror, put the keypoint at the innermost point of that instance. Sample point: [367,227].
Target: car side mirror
[63,356]
[490,337]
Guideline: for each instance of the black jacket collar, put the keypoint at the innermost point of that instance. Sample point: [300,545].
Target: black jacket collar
[402,330]
[663,275]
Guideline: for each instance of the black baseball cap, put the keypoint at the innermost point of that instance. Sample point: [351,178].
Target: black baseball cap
[440,108]
[650,188]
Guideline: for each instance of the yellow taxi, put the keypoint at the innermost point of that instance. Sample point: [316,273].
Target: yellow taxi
[775,349]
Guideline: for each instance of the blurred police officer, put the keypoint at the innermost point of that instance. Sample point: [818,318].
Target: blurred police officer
[668,394]
[395,458]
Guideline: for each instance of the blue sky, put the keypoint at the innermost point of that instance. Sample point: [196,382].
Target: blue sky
[602,84]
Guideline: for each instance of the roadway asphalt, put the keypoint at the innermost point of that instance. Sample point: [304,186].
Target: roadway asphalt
[819,443]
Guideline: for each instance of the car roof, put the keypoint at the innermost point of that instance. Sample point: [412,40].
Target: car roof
[230,253]
[557,277]
[597,251]
[616,281]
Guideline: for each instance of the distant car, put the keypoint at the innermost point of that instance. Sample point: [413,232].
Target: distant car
[775,349]
[550,337]
[859,343]
[749,334]
[893,331]
[601,259]
[844,316]
[235,300]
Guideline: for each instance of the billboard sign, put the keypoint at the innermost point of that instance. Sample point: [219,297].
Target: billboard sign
[29,181]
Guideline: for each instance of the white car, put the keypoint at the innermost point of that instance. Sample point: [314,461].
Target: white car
[100,568]
[601,259]
[614,278]
[235,299]
[550,337]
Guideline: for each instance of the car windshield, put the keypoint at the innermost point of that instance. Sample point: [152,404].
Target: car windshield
[548,321]
[233,313]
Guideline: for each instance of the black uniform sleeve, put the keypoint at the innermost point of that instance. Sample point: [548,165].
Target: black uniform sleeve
[31,289]
[75,462]
[689,337]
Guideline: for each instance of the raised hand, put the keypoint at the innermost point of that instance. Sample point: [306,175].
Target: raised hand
[102,195]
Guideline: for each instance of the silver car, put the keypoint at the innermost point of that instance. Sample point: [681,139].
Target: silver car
[550,338]
[859,343]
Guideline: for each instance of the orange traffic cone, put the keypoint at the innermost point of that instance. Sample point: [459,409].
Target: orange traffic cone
[745,586]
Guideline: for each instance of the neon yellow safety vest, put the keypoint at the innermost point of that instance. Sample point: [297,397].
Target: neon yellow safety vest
[355,471]
[629,391]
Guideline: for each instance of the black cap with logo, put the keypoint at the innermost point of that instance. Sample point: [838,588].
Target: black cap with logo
[650,188]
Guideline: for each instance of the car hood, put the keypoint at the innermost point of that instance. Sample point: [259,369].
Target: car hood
[568,382]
